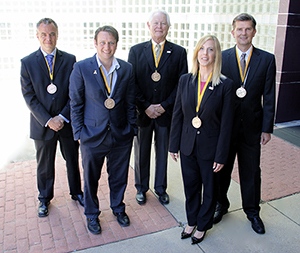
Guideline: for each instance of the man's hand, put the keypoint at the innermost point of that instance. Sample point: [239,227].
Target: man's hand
[265,138]
[217,167]
[56,123]
[152,112]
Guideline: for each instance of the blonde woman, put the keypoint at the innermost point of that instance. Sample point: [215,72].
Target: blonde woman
[200,130]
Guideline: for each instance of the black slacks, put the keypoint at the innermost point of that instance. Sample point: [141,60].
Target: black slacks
[142,154]
[199,188]
[249,173]
[45,156]
[117,161]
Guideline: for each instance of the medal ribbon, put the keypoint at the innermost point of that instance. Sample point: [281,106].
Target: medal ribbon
[51,73]
[240,69]
[161,50]
[108,87]
[200,93]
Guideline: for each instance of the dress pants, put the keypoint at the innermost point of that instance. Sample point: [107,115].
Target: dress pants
[200,190]
[45,155]
[142,151]
[249,174]
[117,161]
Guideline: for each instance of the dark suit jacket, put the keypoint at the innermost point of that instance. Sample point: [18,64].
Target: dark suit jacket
[90,118]
[34,81]
[216,114]
[172,65]
[256,110]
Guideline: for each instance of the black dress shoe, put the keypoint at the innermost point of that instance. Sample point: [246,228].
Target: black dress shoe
[257,225]
[163,198]
[79,198]
[122,219]
[43,209]
[196,240]
[141,198]
[94,226]
[219,212]
[185,235]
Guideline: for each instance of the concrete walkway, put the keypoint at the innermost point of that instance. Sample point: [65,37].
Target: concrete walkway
[154,228]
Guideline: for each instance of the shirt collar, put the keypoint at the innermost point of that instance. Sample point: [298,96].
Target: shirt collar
[45,54]
[115,65]
[154,43]
[247,52]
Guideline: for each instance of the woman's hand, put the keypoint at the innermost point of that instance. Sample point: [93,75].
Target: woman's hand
[174,156]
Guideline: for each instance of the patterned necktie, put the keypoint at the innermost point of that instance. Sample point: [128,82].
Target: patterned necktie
[157,51]
[243,63]
[49,58]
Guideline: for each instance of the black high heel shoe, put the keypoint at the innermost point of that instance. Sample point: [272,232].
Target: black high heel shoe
[198,240]
[185,235]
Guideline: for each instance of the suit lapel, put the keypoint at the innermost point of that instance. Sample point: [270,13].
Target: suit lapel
[95,71]
[41,61]
[234,68]
[165,55]
[149,54]
[58,61]
[119,77]
[253,65]
[209,90]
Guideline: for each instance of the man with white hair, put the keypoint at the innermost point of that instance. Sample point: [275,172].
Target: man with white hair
[157,65]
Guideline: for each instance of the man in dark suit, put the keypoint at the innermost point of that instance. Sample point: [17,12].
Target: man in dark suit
[253,72]
[45,87]
[103,119]
[157,65]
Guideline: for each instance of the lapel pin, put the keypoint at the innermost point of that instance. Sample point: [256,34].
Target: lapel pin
[168,52]
[95,72]
[211,88]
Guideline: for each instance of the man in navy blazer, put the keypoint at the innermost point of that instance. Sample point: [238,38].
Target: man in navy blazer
[253,120]
[156,79]
[103,119]
[45,87]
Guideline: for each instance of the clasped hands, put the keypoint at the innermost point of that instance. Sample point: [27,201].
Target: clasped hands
[154,111]
[56,123]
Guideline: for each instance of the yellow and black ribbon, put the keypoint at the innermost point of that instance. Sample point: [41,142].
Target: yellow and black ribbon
[200,93]
[161,50]
[243,75]
[51,72]
[108,87]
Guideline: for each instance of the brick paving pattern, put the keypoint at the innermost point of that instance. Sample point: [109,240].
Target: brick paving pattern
[280,164]
[65,230]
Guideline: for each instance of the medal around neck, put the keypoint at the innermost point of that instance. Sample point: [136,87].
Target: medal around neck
[155,76]
[241,92]
[109,103]
[196,122]
[51,88]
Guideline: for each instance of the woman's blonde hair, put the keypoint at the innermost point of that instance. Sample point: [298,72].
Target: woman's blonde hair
[218,59]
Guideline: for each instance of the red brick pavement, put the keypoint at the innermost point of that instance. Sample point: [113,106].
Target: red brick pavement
[64,230]
[280,169]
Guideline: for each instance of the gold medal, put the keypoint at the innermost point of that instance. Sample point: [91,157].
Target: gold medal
[155,76]
[196,122]
[241,92]
[109,103]
[51,88]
